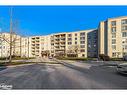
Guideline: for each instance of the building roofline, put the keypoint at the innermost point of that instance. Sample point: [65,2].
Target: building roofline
[117,17]
[74,31]
[87,30]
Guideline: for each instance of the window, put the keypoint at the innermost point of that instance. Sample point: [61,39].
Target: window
[113,47]
[62,38]
[69,35]
[52,44]
[82,46]
[37,37]
[113,23]
[69,39]
[82,42]
[83,55]
[75,34]
[113,41]
[82,38]
[113,29]
[75,42]
[82,50]
[82,34]
[113,35]
[124,28]
[124,34]
[123,42]
[69,43]
[124,47]
[113,54]
[75,38]
[89,37]
[124,21]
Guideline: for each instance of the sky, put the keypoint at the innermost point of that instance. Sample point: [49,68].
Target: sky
[44,20]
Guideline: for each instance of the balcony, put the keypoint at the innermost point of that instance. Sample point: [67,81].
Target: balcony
[33,41]
[62,48]
[56,44]
[62,44]
[33,51]
[33,38]
[37,41]
[57,39]
[33,47]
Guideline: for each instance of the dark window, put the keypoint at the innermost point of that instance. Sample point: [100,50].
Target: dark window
[124,34]
[75,38]
[124,21]
[113,23]
[113,41]
[113,29]
[69,35]
[69,39]
[124,28]
[82,50]
[82,42]
[82,38]
[82,34]
[69,43]
[82,46]
[75,34]
[83,55]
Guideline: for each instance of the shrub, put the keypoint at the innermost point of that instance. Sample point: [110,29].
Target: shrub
[104,57]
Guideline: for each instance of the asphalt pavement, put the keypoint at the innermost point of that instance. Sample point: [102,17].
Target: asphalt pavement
[74,75]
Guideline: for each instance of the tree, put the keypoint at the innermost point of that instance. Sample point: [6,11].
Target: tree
[73,51]
[45,53]
[104,57]
[14,40]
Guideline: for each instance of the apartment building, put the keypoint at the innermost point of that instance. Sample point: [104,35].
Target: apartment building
[112,37]
[70,44]
[92,43]
[18,46]
[58,44]
[4,44]
[38,44]
[74,44]
[25,51]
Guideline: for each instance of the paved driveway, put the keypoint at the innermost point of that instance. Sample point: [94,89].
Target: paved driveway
[62,76]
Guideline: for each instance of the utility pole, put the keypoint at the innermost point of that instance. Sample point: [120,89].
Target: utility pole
[10,57]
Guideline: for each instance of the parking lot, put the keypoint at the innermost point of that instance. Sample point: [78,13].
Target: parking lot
[65,75]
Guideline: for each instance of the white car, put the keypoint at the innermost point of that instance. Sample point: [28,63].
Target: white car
[122,68]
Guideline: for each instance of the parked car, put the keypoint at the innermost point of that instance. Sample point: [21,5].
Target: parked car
[122,68]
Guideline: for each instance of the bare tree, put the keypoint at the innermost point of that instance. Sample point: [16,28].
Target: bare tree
[45,53]
[73,50]
[10,56]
